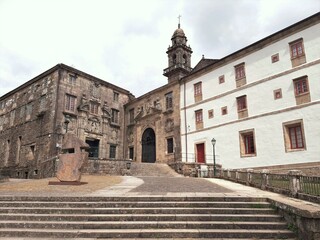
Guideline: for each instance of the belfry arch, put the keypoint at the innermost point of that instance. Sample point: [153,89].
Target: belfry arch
[148,142]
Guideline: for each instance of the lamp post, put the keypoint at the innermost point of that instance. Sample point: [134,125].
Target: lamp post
[213,141]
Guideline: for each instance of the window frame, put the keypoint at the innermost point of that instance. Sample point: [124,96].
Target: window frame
[221,79]
[288,141]
[199,116]
[240,71]
[276,92]
[94,108]
[242,103]
[69,105]
[112,151]
[197,89]
[169,100]
[115,116]
[170,147]
[115,96]
[247,143]
[298,86]
[297,48]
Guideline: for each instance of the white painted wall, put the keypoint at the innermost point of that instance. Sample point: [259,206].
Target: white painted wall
[260,100]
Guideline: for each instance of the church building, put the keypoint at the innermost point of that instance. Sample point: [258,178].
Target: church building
[258,106]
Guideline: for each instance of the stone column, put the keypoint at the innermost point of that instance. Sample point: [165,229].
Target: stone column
[249,176]
[265,179]
[294,178]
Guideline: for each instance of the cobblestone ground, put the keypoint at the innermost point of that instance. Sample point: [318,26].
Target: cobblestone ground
[161,185]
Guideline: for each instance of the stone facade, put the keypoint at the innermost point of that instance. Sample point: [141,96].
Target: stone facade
[36,115]
[153,120]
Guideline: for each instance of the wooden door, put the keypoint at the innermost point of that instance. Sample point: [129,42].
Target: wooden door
[200,153]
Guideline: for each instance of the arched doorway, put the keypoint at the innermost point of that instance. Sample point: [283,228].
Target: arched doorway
[148,146]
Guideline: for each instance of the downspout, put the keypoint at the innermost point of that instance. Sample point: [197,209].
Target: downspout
[56,110]
[185,119]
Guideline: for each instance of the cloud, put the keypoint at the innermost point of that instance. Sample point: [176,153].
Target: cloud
[125,42]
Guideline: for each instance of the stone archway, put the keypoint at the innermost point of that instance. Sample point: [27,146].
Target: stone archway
[148,146]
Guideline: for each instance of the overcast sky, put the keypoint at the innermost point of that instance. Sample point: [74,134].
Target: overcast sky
[124,42]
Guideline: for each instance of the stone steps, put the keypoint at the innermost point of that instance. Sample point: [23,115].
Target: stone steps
[140,217]
[172,210]
[147,233]
[182,204]
[143,224]
[152,170]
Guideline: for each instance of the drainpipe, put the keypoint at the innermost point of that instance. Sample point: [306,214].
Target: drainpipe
[54,125]
[185,119]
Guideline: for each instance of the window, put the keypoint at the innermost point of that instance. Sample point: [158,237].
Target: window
[210,113]
[297,53]
[70,103]
[277,94]
[18,149]
[242,103]
[240,75]
[199,119]
[242,107]
[131,153]
[275,58]
[224,110]
[247,143]
[169,145]
[198,91]
[72,79]
[115,97]
[94,108]
[115,116]
[294,135]
[112,152]
[301,90]
[296,49]
[169,100]
[221,79]
[7,153]
[301,86]
[131,116]
[198,88]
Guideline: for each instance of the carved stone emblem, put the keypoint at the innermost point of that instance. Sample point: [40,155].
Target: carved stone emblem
[169,125]
[93,125]
[130,137]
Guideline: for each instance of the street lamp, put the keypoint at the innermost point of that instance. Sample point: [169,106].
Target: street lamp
[213,141]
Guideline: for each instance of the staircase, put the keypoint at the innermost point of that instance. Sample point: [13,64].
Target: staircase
[152,170]
[140,217]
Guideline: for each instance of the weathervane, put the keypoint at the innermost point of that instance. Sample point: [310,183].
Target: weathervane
[179,20]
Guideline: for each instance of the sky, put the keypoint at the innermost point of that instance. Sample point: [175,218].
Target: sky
[124,42]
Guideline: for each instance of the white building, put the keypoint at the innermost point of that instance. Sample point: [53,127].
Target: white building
[261,104]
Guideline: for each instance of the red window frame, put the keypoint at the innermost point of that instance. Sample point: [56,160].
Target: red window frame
[296,137]
[248,140]
[296,49]
[199,116]
[242,103]
[240,71]
[70,103]
[301,86]
[198,88]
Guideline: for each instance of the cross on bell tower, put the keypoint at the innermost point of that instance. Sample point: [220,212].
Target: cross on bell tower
[179,56]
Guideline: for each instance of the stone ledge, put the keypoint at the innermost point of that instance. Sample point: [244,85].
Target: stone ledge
[303,217]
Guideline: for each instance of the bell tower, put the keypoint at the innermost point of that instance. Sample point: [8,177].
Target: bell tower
[179,56]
